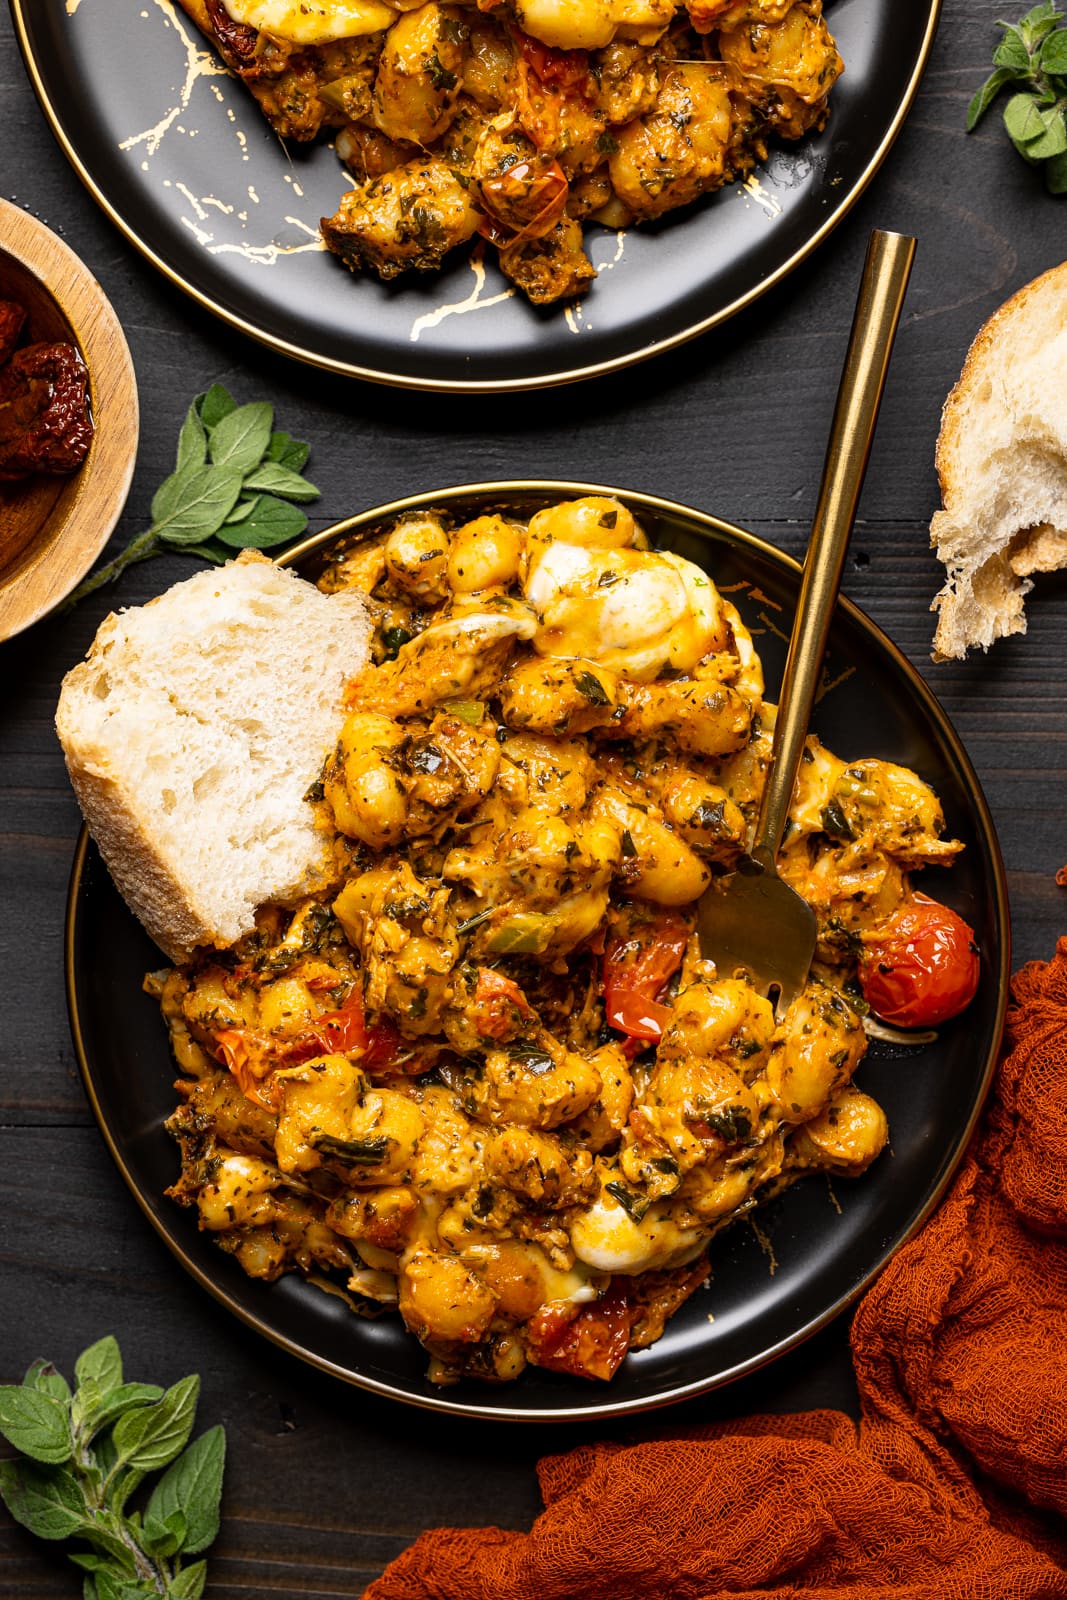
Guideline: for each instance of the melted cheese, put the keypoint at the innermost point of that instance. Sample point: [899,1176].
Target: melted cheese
[817,778]
[638,612]
[589,24]
[605,1238]
[313,21]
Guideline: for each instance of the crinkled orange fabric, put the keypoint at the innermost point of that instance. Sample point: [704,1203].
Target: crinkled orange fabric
[953,1484]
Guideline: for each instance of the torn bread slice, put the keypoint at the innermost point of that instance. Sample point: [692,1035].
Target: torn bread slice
[1002,461]
[192,733]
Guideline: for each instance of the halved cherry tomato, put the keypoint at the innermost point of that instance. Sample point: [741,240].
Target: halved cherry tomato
[637,968]
[568,68]
[592,1344]
[524,202]
[499,1008]
[920,967]
[247,1056]
[253,1057]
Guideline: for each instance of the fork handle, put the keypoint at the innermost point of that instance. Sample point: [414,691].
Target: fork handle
[874,325]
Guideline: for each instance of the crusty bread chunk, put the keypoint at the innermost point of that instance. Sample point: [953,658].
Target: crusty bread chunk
[1002,461]
[192,733]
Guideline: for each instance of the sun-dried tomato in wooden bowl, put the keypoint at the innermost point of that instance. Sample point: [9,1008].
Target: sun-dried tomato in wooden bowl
[68,419]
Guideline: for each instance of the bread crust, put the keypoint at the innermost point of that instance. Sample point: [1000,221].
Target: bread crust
[989,552]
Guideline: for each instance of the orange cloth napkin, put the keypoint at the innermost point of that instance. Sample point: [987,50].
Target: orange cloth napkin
[951,1484]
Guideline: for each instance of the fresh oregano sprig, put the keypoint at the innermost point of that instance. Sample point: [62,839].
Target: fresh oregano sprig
[1032,56]
[234,485]
[90,1451]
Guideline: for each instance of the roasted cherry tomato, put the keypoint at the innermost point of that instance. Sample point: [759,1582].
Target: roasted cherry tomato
[637,968]
[346,1030]
[569,69]
[523,202]
[592,1344]
[920,967]
[253,1057]
[499,1007]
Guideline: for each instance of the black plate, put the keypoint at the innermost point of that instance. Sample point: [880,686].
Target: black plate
[215,197]
[827,1246]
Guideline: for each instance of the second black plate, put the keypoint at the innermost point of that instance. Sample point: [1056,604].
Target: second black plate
[177,153]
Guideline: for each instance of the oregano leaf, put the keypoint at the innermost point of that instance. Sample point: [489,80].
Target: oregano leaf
[35,1423]
[240,440]
[165,1539]
[153,1435]
[192,442]
[216,554]
[170,494]
[206,499]
[1012,52]
[242,509]
[44,1376]
[217,403]
[67,1490]
[1053,55]
[192,1484]
[273,522]
[1032,57]
[276,479]
[1022,120]
[46,1500]
[985,97]
[189,1583]
[125,1398]
[86,1403]
[1053,138]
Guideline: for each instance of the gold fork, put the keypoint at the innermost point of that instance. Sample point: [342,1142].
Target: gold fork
[750,920]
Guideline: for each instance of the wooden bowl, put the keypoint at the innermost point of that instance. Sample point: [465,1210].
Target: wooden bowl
[53,529]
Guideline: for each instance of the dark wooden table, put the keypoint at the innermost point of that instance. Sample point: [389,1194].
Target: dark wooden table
[325,1484]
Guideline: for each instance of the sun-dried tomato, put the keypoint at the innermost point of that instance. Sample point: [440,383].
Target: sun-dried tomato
[12,316]
[236,38]
[45,423]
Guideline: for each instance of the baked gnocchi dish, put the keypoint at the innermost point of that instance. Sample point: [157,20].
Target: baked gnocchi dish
[488,1081]
[521,120]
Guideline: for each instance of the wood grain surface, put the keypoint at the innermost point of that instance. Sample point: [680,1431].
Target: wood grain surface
[324,1483]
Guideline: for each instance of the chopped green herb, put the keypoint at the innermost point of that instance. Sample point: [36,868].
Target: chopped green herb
[439,75]
[732,1124]
[358,1152]
[635,1205]
[529,1056]
[392,640]
[834,821]
[471,711]
[592,688]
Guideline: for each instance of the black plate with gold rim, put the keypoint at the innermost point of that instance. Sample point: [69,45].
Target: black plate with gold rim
[827,1245]
[179,156]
